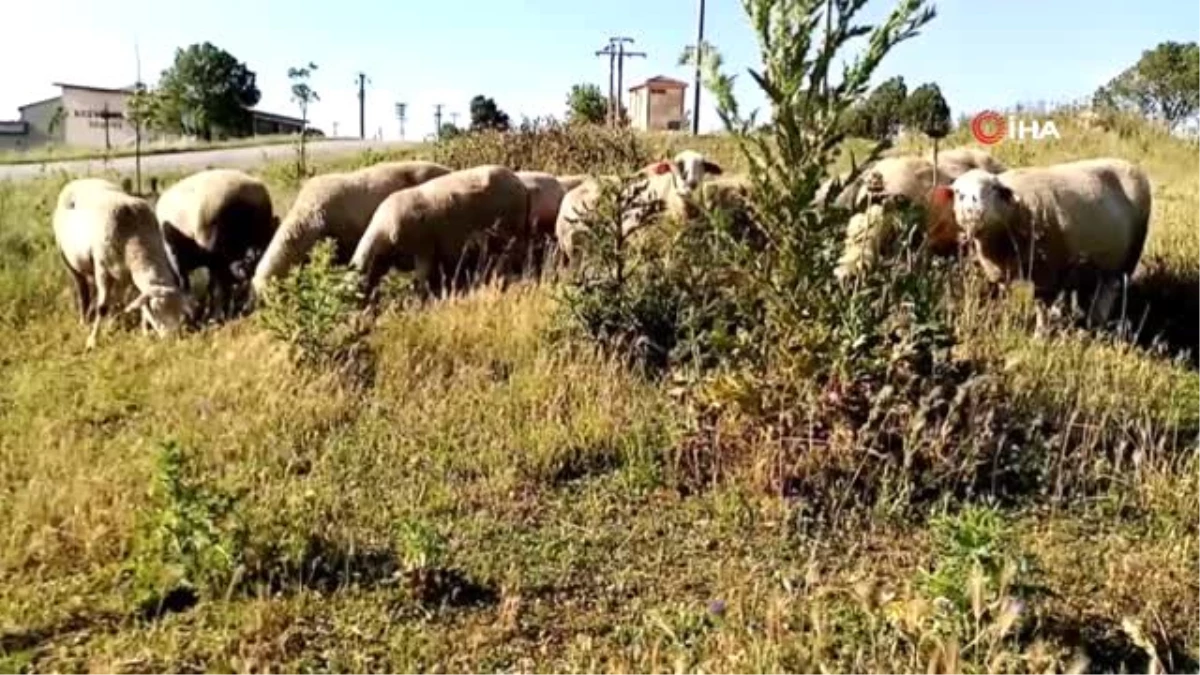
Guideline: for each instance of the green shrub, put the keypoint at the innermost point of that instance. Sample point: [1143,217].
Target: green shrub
[547,145]
[315,309]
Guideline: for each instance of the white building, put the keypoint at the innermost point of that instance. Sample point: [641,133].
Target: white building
[85,116]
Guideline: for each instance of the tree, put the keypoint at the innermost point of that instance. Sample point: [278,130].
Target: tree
[141,109]
[303,95]
[926,110]
[586,104]
[206,91]
[1164,85]
[884,108]
[449,130]
[711,76]
[485,114]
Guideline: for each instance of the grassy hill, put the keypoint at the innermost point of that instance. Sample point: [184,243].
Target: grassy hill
[485,497]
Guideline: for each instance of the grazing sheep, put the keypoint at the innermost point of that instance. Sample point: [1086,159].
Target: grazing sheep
[667,186]
[907,178]
[957,161]
[114,238]
[451,221]
[338,205]
[865,235]
[218,219]
[1063,227]
[546,194]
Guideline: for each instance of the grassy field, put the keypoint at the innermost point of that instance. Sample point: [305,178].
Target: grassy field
[486,498]
[66,153]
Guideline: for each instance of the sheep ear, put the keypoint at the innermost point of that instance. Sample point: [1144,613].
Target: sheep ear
[713,168]
[1005,193]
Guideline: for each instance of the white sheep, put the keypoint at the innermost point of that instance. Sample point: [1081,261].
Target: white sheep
[955,162]
[689,169]
[546,193]
[908,178]
[337,205]
[666,188]
[114,238]
[218,219]
[1059,226]
[454,221]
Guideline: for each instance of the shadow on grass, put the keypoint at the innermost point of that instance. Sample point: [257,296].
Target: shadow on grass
[1110,650]
[1164,307]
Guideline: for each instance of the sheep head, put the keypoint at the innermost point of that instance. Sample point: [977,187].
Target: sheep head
[981,202]
[165,308]
[688,169]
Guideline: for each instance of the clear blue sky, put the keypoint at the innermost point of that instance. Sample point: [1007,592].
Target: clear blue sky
[527,53]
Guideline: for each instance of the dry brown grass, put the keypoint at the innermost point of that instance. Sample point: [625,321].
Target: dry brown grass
[554,513]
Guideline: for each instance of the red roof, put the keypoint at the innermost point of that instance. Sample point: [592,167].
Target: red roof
[661,81]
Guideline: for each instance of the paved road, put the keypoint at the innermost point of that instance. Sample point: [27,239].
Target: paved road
[242,158]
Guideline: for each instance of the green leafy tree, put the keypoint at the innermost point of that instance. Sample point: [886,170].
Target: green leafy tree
[303,95]
[926,110]
[207,92]
[712,77]
[485,114]
[1164,85]
[884,108]
[449,130]
[586,104]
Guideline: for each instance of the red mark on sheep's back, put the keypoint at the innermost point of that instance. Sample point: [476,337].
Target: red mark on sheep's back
[943,229]
[989,127]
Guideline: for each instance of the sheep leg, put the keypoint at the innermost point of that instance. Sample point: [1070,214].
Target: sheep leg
[84,294]
[102,297]
[222,280]
[1105,299]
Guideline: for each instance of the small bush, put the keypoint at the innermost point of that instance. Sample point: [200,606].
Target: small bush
[547,145]
[189,543]
[315,309]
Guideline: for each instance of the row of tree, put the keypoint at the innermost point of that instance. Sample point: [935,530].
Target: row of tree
[891,106]
[1163,85]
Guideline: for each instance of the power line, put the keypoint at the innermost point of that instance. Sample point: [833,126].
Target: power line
[621,56]
[699,58]
[612,64]
[362,105]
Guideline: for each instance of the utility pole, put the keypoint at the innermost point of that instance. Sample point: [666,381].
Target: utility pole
[107,115]
[401,114]
[612,63]
[137,123]
[621,56]
[699,59]
[362,106]
[437,118]
[454,119]
[335,129]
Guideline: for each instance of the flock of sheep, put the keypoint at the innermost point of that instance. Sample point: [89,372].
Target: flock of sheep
[1058,225]
[1076,226]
